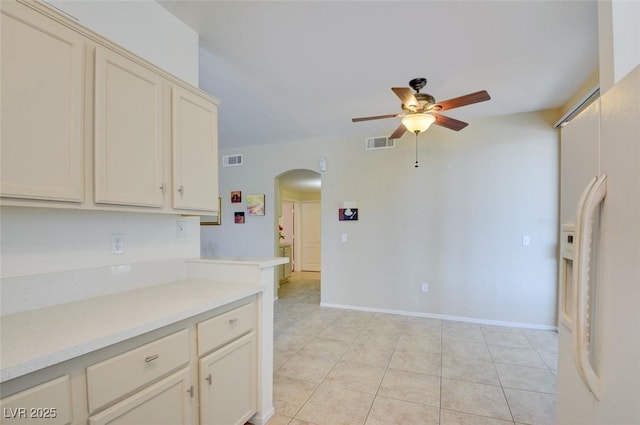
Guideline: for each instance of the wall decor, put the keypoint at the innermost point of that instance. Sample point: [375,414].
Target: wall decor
[238,217]
[255,204]
[348,214]
[236,196]
[212,220]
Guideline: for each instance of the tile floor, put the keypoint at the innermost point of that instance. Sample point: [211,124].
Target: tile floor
[335,366]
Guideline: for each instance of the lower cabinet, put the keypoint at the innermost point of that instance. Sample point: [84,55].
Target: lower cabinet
[153,383]
[48,403]
[165,402]
[228,383]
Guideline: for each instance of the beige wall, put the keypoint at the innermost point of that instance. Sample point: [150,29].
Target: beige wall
[293,195]
[455,222]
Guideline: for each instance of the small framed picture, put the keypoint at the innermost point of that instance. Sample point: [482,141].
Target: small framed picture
[255,204]
[238,217]
[236,196]
[348,214]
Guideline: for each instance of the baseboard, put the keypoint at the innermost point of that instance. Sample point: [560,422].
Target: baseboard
[443,317]
[264,418]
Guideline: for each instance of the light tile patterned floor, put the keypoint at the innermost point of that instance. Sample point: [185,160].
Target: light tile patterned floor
[344,367]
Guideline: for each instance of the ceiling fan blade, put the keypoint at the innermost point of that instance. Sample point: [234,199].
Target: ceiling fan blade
[450,123]
[406,95]
[398,133]
[468,99]
[377,117]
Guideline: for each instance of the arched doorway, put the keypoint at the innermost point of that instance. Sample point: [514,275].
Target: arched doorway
[300,200]
[299,222]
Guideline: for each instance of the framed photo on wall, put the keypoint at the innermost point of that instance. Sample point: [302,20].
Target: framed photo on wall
[348,214]
[255,204]
[236,196]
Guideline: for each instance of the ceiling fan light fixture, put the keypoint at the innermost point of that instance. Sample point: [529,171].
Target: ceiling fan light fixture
[418,123]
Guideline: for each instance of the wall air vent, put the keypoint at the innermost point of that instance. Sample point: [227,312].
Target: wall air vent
[231,160]
[379,143]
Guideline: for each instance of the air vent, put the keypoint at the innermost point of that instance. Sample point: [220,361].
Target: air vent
[231,160]
[379,143]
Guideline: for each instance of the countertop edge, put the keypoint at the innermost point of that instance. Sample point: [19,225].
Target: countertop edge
[259,262]
[159,321]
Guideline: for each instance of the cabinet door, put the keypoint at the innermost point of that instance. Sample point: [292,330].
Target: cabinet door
[48,403]
[195,152]
[128,132]
[42,77]
[228,383]
[166,402]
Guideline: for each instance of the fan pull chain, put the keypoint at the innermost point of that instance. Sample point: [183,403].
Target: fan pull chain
[416,166]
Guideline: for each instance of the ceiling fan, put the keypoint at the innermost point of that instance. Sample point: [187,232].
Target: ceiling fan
[421,109]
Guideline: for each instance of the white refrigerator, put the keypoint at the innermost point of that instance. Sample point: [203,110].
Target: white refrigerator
[599,291]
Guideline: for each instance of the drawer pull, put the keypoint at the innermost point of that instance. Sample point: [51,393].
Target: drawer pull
[232,321]
[209,379]
[149,359]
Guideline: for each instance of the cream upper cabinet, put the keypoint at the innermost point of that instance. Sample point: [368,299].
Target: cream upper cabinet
[42,80]
[195,151]
[86,124]
[129,151]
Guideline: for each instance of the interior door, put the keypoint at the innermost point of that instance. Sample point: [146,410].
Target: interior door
[310,236]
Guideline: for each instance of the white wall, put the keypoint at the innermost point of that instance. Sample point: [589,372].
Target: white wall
[143,27]
[40,240]
[619,40]
[455,222]
[47,240]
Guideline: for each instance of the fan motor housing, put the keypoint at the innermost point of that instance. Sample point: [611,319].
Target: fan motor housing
[426,102]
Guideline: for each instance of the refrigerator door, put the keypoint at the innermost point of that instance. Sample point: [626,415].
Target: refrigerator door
[615,263]
[619,273]
[580,152]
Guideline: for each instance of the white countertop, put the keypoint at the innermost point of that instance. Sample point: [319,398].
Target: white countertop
[40,338]
[262,262]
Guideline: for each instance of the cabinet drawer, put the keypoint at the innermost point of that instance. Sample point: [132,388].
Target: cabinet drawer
[118,376]
[226,327]
[48,403]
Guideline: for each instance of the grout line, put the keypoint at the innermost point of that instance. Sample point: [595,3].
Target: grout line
[304,298]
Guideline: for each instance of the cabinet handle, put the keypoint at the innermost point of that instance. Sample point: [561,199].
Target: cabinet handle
[209,379]
[149,359]
[181,189]
[232,321]
[190,391]
[163,188]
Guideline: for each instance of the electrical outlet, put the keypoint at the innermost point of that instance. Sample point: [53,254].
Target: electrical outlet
[180,229]
[424,287]
[117,243]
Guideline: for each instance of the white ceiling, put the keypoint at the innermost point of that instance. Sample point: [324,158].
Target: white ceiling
[296,70]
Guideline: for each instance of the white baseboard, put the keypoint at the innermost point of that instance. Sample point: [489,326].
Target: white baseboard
[443,317]
[264,418]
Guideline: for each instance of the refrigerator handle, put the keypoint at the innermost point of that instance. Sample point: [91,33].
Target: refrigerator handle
[592,196]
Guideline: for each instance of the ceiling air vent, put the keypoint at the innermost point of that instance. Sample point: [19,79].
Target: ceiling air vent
[379,143]
[231,160]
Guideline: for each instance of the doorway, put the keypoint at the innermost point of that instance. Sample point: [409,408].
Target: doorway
[299,222]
